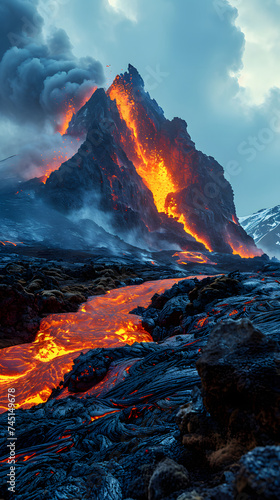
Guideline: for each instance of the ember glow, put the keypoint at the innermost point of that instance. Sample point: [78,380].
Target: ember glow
[201,322]
[35,369]
[49,164]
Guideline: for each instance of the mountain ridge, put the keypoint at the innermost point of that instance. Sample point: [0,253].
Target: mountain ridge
[264,227]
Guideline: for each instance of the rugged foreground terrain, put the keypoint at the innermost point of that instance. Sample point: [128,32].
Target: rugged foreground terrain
[192,414]
[36,281]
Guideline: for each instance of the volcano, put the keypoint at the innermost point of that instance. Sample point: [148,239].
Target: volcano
[144,177]
[126,370]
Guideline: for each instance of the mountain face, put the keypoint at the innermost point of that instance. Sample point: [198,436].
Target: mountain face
[144,177]
[264,227]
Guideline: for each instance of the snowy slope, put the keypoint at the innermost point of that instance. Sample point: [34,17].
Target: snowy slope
[264,227]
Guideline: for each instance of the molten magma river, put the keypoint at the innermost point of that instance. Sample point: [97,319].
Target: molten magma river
[104,321]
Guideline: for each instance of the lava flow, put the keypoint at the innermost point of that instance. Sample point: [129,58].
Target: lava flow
[66,119]
[4,243]
[104,321]
[246,252]
[146,151]
[194,257]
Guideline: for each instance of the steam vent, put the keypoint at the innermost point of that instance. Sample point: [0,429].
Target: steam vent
[144,174]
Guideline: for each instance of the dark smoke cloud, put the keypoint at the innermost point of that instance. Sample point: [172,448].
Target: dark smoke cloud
[39,76]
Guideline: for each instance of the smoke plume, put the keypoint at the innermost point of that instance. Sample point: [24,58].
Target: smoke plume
[39,76]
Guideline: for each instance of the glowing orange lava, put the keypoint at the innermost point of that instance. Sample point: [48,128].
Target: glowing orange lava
[35,369]
[147,156]
[246,252]
[150,164]
[62,129]
[201,322]
[196,257]
[4,243]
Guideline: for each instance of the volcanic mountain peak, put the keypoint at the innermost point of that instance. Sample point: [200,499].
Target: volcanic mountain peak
[145,175]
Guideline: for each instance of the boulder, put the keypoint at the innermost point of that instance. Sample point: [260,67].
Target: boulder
[168,477]
[210,290]
[240,375]
[258,477]
[172,311]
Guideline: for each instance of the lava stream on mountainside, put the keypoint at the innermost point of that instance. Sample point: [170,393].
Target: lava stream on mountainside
[148,155]
[246,252]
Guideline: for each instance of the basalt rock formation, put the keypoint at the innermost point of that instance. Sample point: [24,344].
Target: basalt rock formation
[144,175]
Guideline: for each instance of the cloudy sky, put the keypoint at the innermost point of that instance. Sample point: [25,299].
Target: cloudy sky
[212,62]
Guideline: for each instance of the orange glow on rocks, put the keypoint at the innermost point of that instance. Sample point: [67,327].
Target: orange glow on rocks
[70,110]
[58,157]
[104,321]
[66,119]
[61,156]
[13,243]
[104,415]
[246,252]
[148,153]
[150,164]
[201,322]
[194,257]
